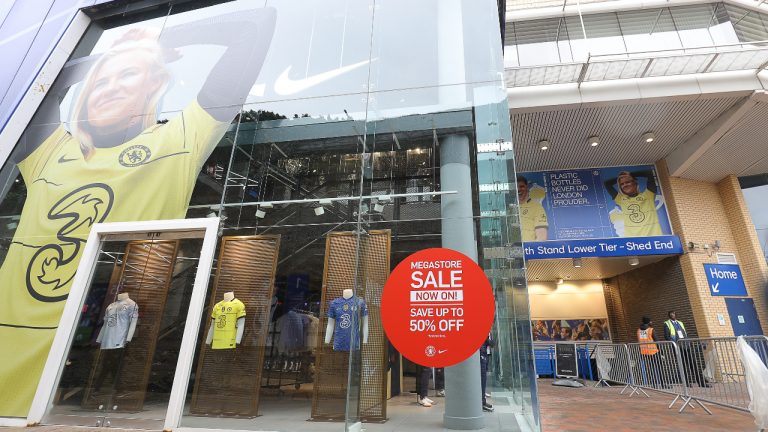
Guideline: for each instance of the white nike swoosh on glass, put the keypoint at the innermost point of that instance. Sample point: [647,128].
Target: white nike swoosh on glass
[286,86]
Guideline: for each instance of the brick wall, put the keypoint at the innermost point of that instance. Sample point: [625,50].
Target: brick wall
[650,291]
[702,212]
[613,304]
[749,253]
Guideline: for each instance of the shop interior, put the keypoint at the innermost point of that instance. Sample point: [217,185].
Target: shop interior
[285,261]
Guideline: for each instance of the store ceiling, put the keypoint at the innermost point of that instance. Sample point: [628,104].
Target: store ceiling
[742,150]
[591,268]
[737,147]
[619,126]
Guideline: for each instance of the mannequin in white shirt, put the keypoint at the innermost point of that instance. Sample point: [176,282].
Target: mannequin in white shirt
[120,320]
[132,329]
[228,297]
[347,294]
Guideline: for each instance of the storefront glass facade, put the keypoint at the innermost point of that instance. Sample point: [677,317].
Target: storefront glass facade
[317,133]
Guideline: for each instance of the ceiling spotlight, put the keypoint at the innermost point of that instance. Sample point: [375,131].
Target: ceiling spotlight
[593,141]
[384,198]
[544,144]
[378,207]
[319,210]
[633,261]
[260,214]
[649,137]
[324,201]
[577,262]
[560,281]
[266,205]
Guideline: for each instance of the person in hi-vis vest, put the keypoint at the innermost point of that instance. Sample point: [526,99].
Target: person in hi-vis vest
[691,353]
[118,155]
[649,355]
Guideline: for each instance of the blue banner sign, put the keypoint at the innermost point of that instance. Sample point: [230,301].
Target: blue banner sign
[725,280]
[611,247]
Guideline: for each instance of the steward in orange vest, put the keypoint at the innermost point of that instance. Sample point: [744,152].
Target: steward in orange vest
[646,336]
[650,359]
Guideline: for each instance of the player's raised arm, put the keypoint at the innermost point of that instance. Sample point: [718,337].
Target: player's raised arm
[246,36]
[650,179]
[610,186]
[48,118]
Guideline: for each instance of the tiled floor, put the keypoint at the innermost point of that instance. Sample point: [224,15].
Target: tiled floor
[591,409]
[563,409]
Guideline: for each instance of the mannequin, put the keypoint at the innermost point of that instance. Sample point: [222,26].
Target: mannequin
[120,320]
[337,308]
[225,310]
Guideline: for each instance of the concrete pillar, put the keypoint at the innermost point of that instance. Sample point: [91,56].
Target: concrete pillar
[463,398]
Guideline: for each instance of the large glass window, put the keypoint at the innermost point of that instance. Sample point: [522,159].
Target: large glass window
[693,25]
[561,40]
[649,30]
[314,131]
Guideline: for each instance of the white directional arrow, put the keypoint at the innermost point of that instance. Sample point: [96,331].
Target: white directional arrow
[715,288]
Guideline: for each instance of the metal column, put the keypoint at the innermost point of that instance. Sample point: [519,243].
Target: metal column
[463,398]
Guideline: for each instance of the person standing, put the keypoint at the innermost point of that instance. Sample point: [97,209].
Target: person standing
[674,330]
[422,385]
[440,382]
[485,354]
[649,353]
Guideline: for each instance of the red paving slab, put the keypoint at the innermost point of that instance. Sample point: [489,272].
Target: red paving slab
[591,409]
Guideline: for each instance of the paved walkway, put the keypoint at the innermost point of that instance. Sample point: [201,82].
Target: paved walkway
[591,409]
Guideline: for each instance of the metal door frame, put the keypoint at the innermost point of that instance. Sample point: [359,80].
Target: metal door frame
[54,365]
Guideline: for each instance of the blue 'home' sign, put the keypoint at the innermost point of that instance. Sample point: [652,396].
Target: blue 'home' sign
[725,280]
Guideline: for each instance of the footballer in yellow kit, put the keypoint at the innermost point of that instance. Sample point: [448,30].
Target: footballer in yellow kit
[64,200]
[115,161]
[225,315]
[533,218]
[638,209]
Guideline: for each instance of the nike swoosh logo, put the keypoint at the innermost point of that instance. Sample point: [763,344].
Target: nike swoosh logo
[441,351]
[287,86]
[63,159]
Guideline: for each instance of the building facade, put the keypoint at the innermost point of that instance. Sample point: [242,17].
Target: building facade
[272,162]
[329,140]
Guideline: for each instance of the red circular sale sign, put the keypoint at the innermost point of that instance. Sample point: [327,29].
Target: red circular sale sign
[437,307]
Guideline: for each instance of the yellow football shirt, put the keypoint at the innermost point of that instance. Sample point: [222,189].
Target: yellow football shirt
[532,216]
[148,177]
[639,213]
[225,315]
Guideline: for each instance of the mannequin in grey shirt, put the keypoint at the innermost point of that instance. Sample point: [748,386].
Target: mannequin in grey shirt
[119,323]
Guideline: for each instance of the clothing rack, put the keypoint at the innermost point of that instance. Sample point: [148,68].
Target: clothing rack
[286,369]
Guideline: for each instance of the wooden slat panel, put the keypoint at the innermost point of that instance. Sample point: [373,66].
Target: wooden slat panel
[145,275]
[373,388]
[227,382]
[332,372]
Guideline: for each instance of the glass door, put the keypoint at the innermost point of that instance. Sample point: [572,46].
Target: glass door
[122,356]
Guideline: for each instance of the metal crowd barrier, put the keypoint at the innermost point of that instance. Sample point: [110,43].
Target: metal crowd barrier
[693,370]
